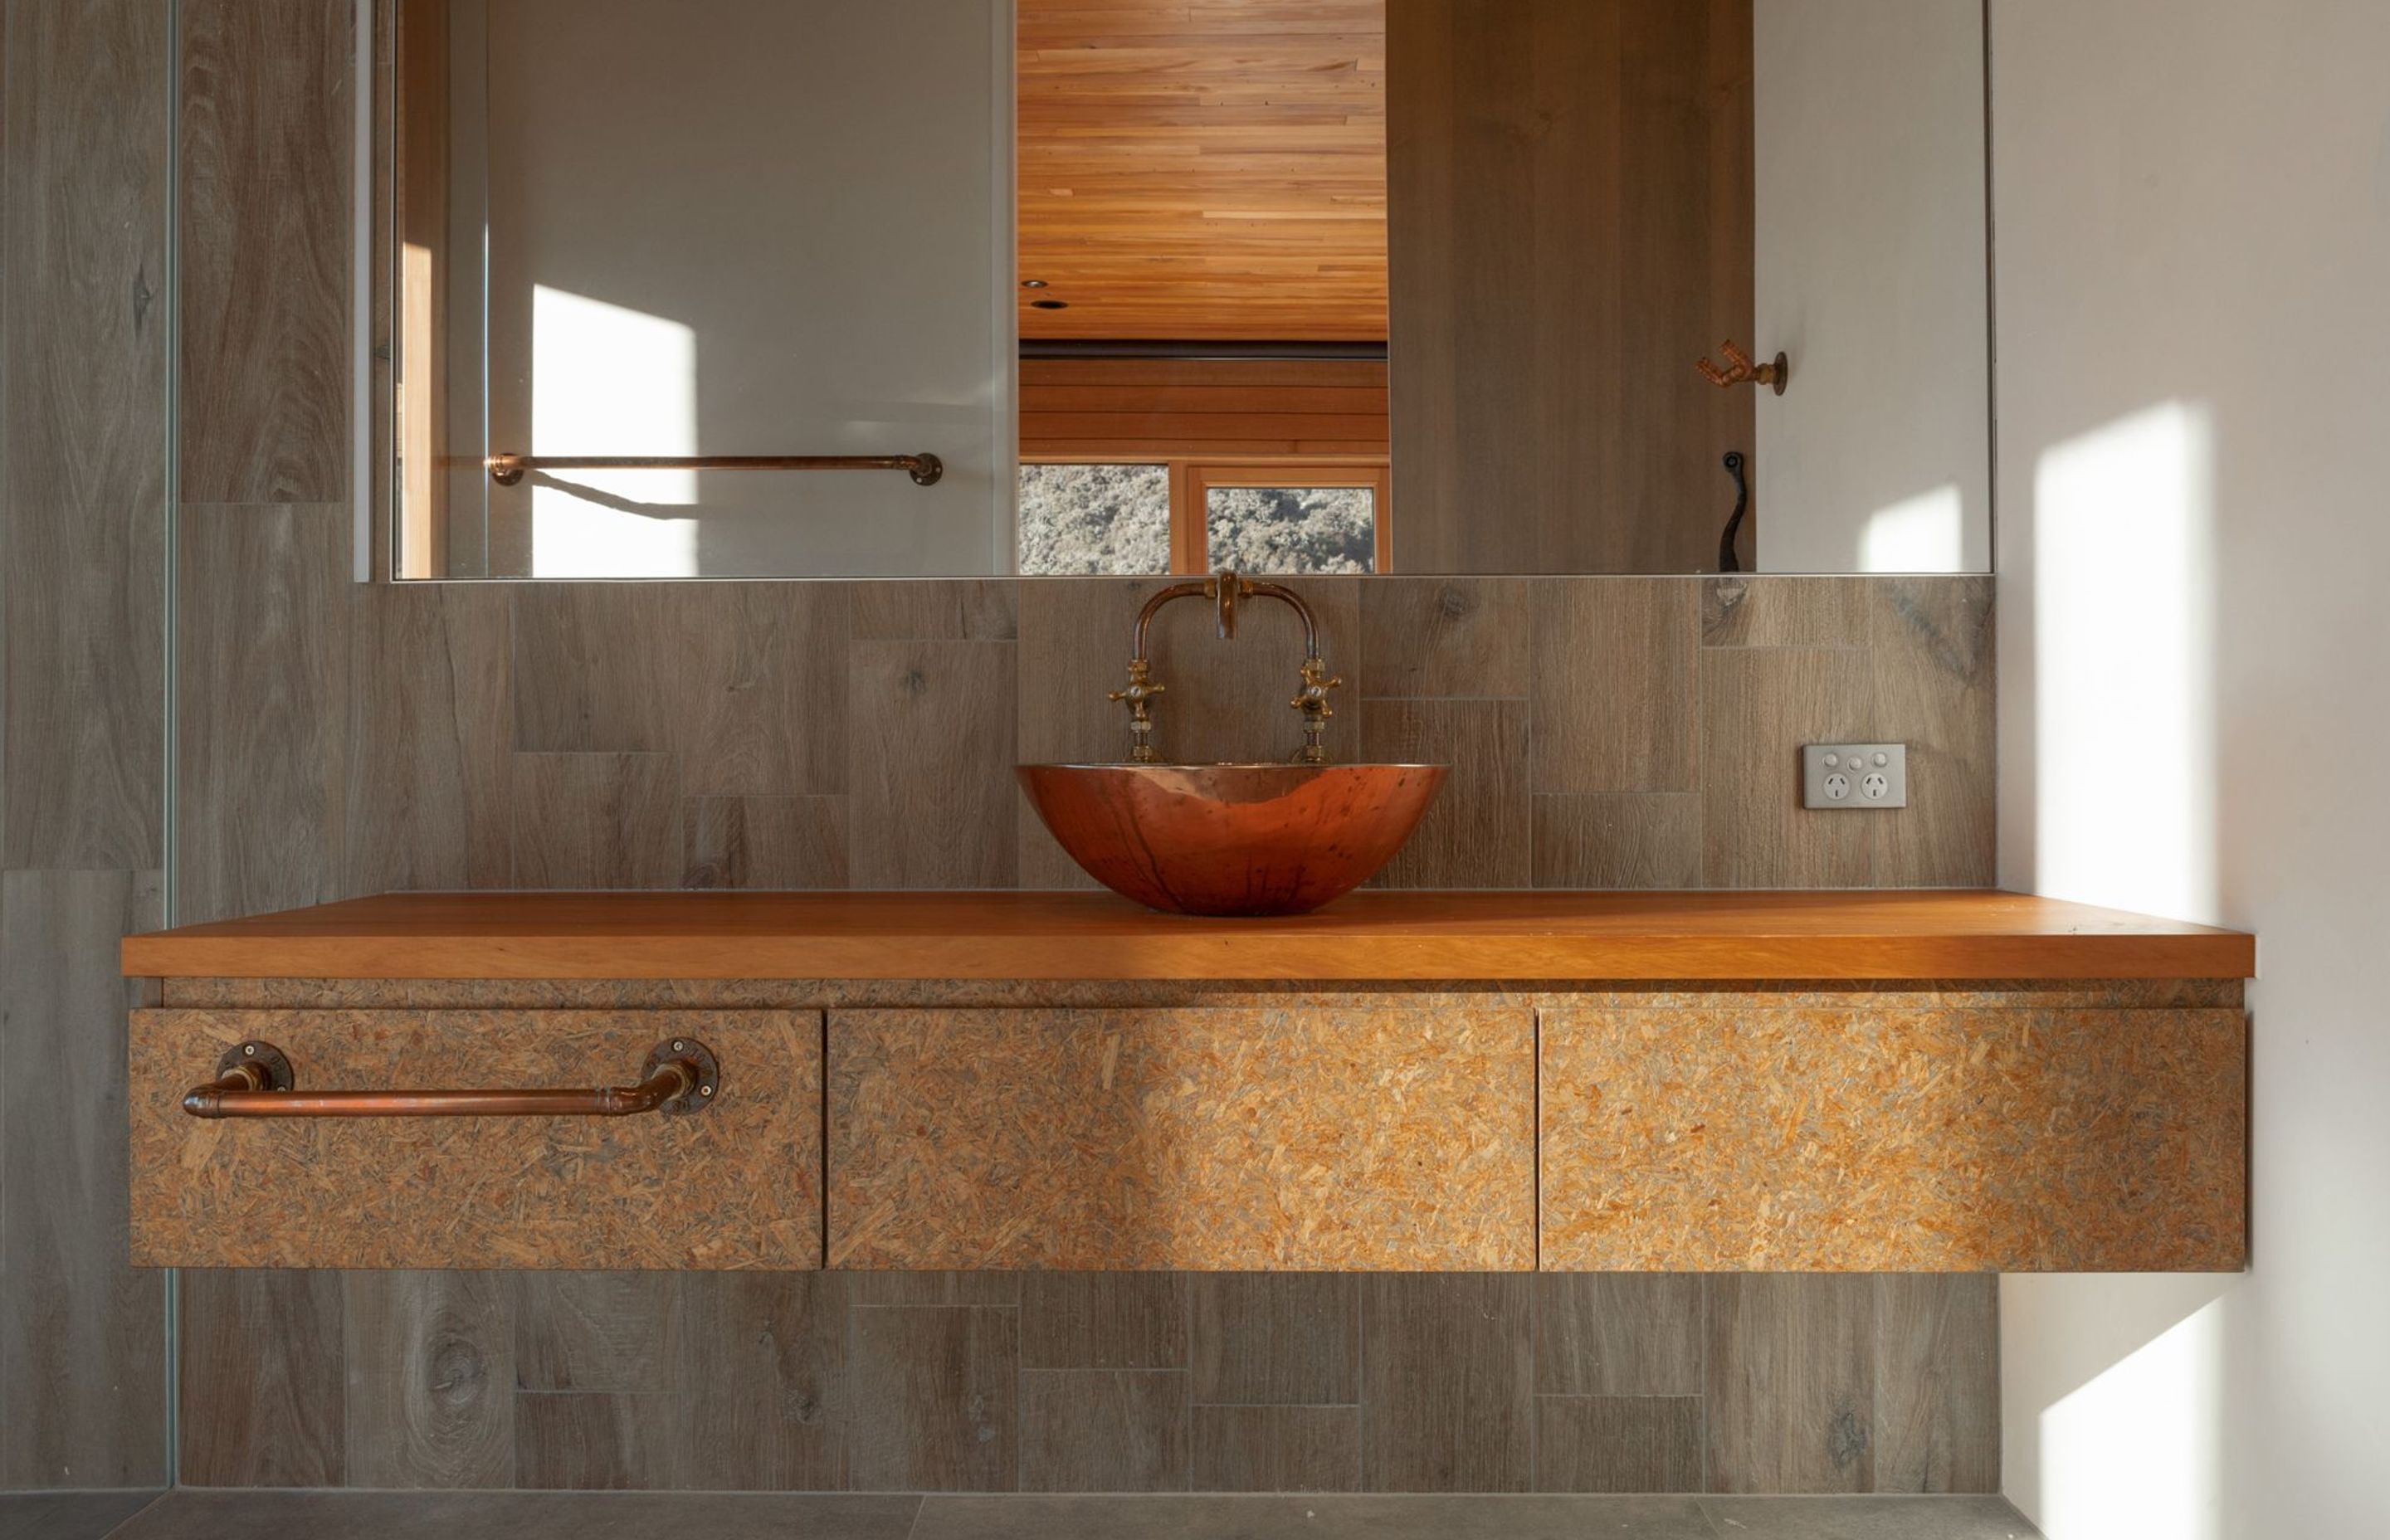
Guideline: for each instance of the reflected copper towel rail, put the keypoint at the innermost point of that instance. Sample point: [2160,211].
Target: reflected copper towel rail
[925,469]
[254,1080]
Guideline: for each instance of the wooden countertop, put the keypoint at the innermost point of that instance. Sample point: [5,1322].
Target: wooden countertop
[1512,936]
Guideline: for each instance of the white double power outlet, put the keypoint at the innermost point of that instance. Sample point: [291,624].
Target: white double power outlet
[1854,775]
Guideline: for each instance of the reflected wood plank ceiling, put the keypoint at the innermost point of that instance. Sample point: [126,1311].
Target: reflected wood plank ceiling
[1203,169]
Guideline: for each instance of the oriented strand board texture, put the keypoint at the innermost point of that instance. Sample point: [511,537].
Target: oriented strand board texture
[1218,1139]
[1842,1139]
[737,1185]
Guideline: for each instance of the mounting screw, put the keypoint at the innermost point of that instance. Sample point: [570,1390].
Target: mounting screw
[705,1090]
[679,1046]
[249,1050]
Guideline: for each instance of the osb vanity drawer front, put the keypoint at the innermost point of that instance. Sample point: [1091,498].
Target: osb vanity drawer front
[1226,1139]
[1928,1140]
[736,1186]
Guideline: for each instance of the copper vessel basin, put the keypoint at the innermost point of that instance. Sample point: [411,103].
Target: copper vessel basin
[1231,839]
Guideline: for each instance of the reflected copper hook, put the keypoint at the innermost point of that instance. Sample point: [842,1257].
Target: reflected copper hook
[1740,370]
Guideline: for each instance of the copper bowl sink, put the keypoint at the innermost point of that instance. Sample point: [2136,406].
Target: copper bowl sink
[1231,839]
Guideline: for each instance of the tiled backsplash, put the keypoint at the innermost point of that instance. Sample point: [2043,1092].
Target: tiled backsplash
[1603,732]
[1108,1381]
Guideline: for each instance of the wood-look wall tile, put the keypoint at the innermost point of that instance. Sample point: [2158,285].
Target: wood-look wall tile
[1228,701]
[82,687]
[769,1399]
[1075,648]
[595,1332]
[1937,1383]
[261,780]
[431,718]
[1277,1338]
[1104,1430]
[785,843]
[934,1287]
[932,795]
[1103,1320]
[1277,1449]
[266,273]
[1614,681]
[936,1399]
[1618,1444]
[1790,1382]
[1932,658]
[431,1380]
[81,1335]
[1618,840]
[759,702]
[1445,1383]
[597,1441]
[1424,638]
[594,667]
[85,189]
[1478,831]
[595,821]
[1784,612]
[969,609]
[746,682]
[264,1398]
[83,420]
[1618,1334]
[1759,705]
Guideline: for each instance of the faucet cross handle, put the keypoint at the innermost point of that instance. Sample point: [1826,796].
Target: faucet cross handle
[1313,703]
[1139,693]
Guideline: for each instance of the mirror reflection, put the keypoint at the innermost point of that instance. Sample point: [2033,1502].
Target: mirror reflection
[967,287]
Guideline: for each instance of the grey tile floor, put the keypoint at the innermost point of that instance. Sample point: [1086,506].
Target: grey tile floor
[192,1514]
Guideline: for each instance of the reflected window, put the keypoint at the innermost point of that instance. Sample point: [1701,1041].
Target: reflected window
[1292,529]
[1094,520]
[1287,517]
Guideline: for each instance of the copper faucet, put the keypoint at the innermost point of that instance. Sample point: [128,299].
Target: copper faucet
[1227,591]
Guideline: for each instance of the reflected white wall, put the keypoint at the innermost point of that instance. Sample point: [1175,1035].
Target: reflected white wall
[1870,250]
[1925,534]
[820,191]
[605,379]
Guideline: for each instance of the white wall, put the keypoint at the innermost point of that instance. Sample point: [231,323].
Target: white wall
[1868,219]
[724,228]
[2192,215]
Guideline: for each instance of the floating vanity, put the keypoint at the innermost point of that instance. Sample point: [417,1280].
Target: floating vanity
[1866,1082]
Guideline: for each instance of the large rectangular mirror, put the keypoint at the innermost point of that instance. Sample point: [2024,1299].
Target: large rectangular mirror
[968,288]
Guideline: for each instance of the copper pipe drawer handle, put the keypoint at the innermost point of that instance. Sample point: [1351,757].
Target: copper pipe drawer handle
[254,1080]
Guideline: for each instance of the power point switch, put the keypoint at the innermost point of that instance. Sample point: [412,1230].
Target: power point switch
[1855,776]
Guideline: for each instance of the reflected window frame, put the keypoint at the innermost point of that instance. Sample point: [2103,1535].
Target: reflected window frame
[1193,479]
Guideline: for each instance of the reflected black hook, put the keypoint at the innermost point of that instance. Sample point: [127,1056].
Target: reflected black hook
[1728,560]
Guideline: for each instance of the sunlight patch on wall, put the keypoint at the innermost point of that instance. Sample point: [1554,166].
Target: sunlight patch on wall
[2124,644]
[608,380]
[2137,1452]
[1926,533]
